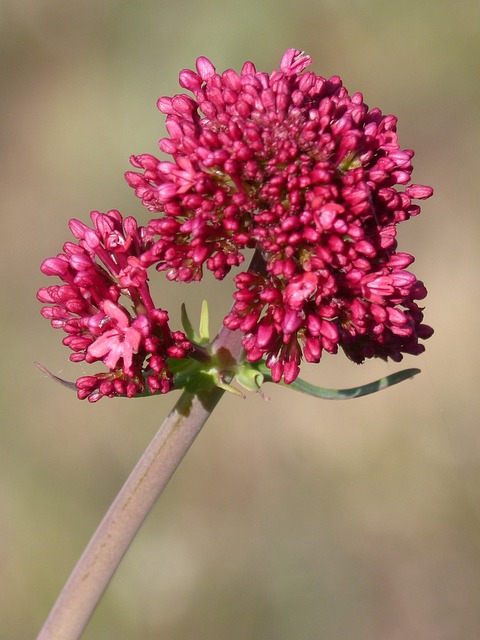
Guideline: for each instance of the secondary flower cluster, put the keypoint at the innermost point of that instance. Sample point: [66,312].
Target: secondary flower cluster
[287,164]
[103,273]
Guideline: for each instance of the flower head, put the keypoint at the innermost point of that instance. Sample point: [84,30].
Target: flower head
[101,274]
[290,164]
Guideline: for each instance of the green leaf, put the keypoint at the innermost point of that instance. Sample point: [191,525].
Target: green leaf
[203,328]
[201,338]
[187,325]
[342,394]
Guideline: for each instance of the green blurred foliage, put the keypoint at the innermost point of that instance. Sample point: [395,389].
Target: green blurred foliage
[293,518]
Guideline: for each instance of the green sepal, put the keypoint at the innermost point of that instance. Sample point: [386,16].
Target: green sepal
[340,394]
[249,377]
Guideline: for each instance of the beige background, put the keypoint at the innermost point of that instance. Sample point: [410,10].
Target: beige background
[289,519]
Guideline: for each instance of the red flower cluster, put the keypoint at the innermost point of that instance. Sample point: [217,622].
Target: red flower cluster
[102,273]
[290,165]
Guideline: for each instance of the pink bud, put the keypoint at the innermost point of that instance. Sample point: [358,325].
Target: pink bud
[291,371]
[77,228]
[205,68]
[188,80]
[419,191]
[264,335]
[55,266]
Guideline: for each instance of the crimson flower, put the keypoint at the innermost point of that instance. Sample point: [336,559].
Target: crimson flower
[102,274]
[291,165]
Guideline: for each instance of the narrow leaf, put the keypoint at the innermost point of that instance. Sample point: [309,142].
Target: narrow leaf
[65,383]
[203,328]
[187,325]
[344,394]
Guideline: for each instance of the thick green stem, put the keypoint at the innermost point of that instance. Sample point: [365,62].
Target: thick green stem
[94,570]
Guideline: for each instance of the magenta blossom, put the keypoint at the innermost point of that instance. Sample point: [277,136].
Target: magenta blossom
[102,274]
[293,166]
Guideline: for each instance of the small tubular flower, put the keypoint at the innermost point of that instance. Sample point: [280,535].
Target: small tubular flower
[291,165]
[101,274]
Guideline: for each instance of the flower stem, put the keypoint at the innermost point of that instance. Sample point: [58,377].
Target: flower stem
[90,577]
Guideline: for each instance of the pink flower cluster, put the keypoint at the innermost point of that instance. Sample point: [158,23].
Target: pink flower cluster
[102,274]
[287,164]
[291,165]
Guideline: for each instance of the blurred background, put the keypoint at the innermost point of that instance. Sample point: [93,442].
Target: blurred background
[292,518]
